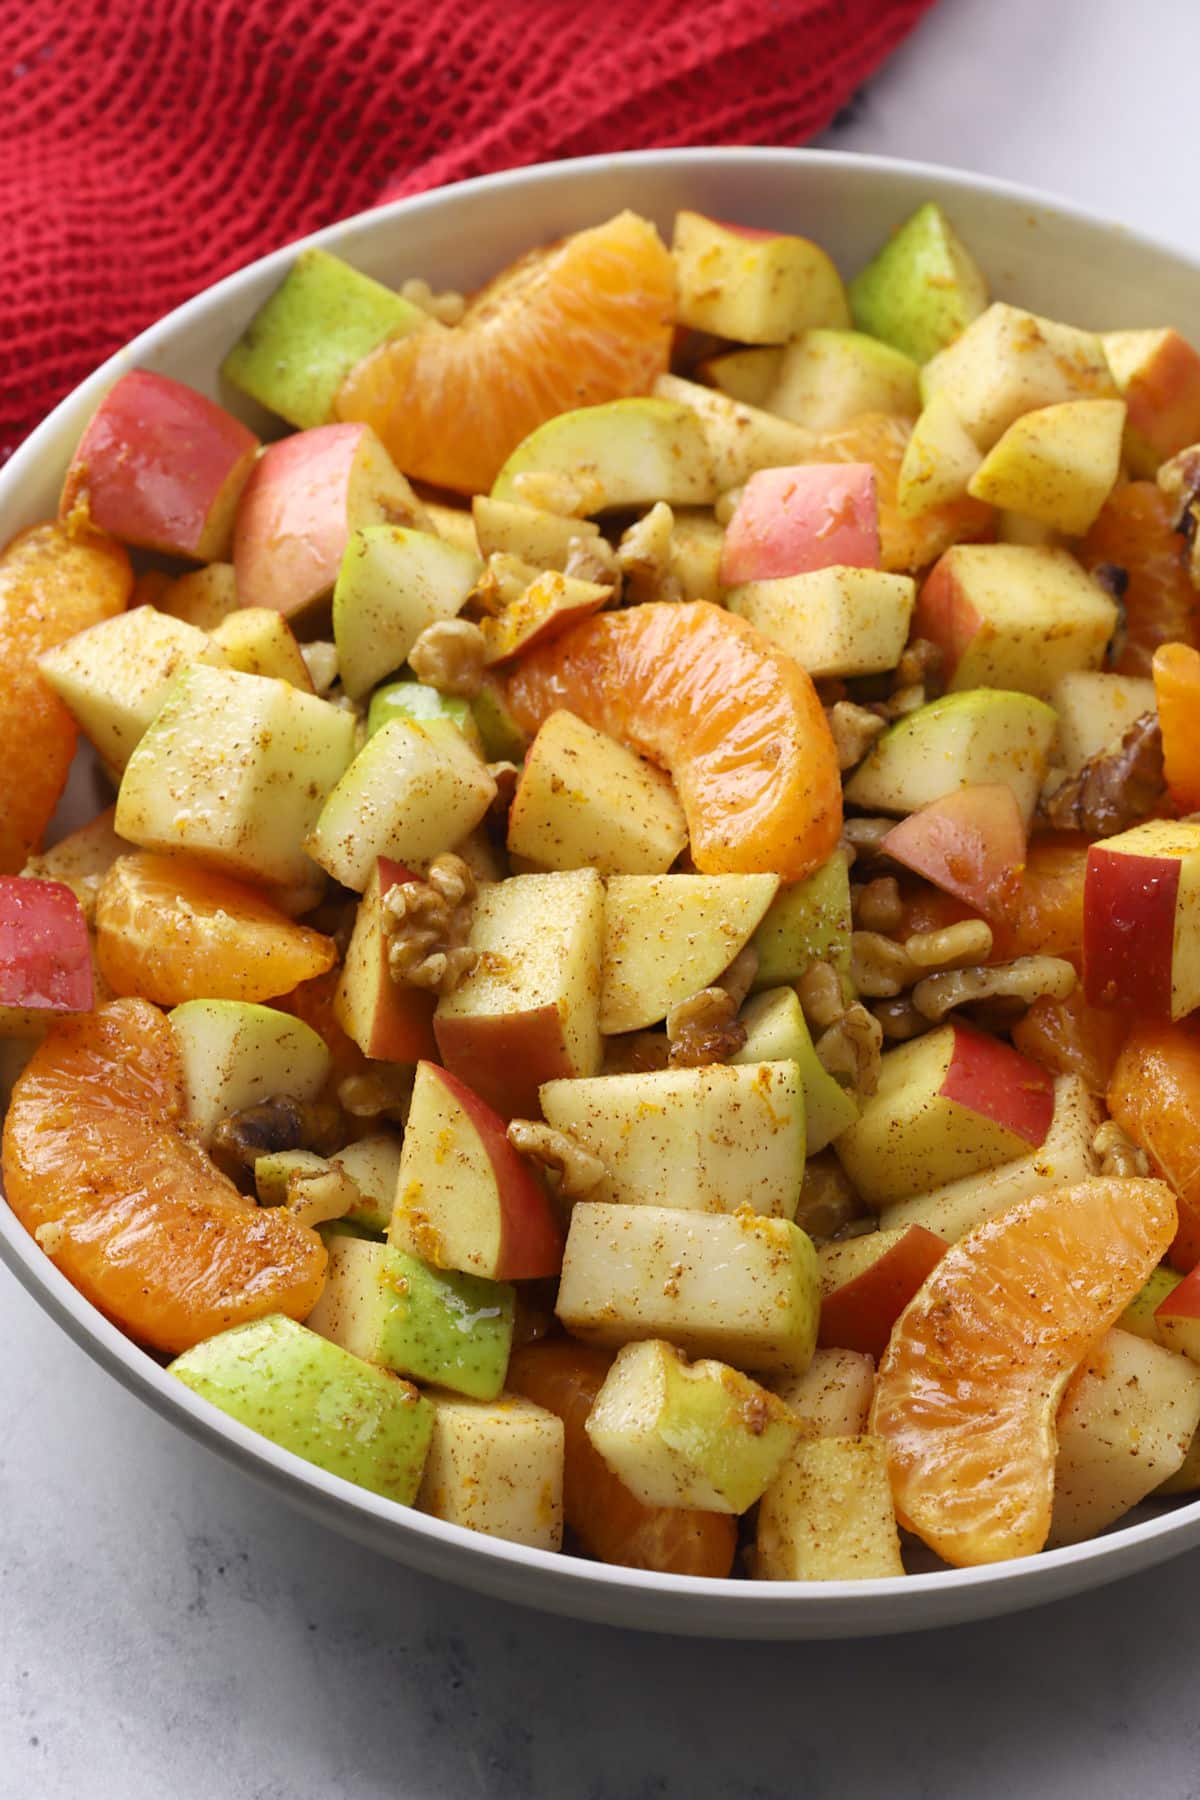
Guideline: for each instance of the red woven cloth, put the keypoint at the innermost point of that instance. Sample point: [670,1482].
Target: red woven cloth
[151,146]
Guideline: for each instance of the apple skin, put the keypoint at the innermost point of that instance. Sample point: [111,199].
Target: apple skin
[551,604]
[506,1056]
[970,843]
[529,1238]
[1129,931]
[1178,1317]
[162,467]
[401,1020]
[945,615]
[45,954]
[791,521]
[860,1314]
[294,521]
[1162,398]
[996,1081]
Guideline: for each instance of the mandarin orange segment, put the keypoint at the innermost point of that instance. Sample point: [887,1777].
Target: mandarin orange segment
[1045,916]
[610,1523]
[1154,1095]
[906,543]
[1135,533]
[735,721]
[99,1164]
[170,930]
[52,585]
[1176,670]
[573,324]
[968,1389]
[1069,1037]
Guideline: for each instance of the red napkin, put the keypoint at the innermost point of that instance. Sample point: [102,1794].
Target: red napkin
[151,146]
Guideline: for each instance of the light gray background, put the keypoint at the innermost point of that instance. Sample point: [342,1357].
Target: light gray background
[165,1631]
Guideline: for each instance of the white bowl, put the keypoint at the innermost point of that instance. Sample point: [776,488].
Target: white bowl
[1043,254]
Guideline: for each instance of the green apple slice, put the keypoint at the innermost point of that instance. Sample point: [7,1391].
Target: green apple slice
[414,700]
[827,378]
[668,936]
[392,583]
[922,289]
[777,1031]
[740,438]
[1057,464]
[636,452]
[961,740]
[235,1054]
[808,921]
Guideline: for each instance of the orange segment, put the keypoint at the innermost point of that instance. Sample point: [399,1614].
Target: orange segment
[1069,1037]
[573,324]
[609,1522]
[1176,669]
[1154,1095]
[170,931]
[1045,916]
[96,1151]
[906,544]
[51,586]
[735,720]
[969,1386]
[1134,533]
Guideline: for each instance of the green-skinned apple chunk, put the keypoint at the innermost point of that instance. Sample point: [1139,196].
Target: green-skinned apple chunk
[414,700]
[234,1054]
[969,739]
[391,584]
[922,289]
[496,1467]
[633,452]
[741,439]
[777,1031]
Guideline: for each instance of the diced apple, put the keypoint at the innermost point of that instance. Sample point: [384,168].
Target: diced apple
[259,641]
[715,1138]
[465,1199]
[584,800]
[1158,376]
[388,1020]
[735,1286]
[45,955]
[1064,1157]
[696,544]
[1124,1425]
[701,1436]
[741,439]
[634,452]
[1139,1315]
[81,860]
[415,700]
[1013,616]
[507,528]
[530,1010]
[302,342]
[828,378]
[776,1031]
[1177,1317]
[970,843]
[833,1396]
[549,605]
[433,1325]
[1095,709]
[373,1165]
[496,1467]
[834,621]
[412,792]
[808,921]
[977,738]
[160,466]
[1008,362]
[308,495]
[202,597]
[939,460]
[114,676]
[948,1104]
[922,289]
[392,582]
[756,287]
[746,375]
[234,771]
[1057,464]
[867,1282]
[234,1055]
[828,1516]
[668,936]
[1141,920]
[813,516]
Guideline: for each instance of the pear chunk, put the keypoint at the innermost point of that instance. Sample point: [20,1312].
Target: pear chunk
[922,289]
[629,452]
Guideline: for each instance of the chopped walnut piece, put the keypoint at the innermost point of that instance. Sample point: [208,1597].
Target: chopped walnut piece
[593,559]
[427,924]
[954,946]
[879,966]
[899,1019]
[506,776]
[314,1191]
[381,1092]
[828,1201]
[861,839]
[704,1029]
[1027,979]
[577,1172]
[645,557]
[821,997]
[850,1051]
[853,729]
[447,308]
[1179,480]
[449,655]
[920,665]
[1118,1153]
[571,496]
[876,905]
[1115,788]
[279,1123]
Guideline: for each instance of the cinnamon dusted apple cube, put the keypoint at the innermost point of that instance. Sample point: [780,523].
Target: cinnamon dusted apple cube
[828,1516]
[756,287]
[1141,920]
[1158,375]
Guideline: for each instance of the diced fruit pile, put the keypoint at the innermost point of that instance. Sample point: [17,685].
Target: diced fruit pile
[637,992]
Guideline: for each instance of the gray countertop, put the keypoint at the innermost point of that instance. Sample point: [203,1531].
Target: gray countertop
[166,1630]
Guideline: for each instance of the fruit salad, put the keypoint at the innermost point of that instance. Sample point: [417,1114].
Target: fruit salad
[636,989]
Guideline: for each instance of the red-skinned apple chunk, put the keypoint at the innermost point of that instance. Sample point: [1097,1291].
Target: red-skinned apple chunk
[161,466]
[813,516]
[464,1198]
[867,1282]
[1141,920]
[970,844]
[45,956]
[388,1020]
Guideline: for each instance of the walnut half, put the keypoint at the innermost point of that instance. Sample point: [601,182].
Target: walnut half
[427,923]
[577,1172]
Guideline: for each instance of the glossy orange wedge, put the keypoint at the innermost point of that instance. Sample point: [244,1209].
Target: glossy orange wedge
[1069,1037]
[573,324]
[1176,670]
[906,544]
[1154,1095]
[968,1389]
[170,930]
[1135,534]
[98,1163]
[51,586]
[736,722]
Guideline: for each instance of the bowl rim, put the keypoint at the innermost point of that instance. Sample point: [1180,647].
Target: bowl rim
[416,1537]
